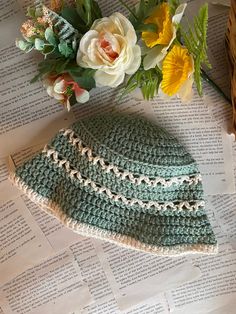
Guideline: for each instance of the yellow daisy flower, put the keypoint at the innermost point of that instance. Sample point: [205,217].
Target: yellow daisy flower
[162,19]
[177,70]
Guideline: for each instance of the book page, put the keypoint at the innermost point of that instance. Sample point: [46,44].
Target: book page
[151,306]
[7,190]
[53,286]
[214,290]
[95,272]
[22,243]
[27,113]
[59,236]
[208,142]
[11,18]
[133,275]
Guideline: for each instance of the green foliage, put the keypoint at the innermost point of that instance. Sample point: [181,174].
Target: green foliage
[141,12]
[84,77]
[34,13]
[25,46]
[195,39]
[65,30]
[65,49]
[173,6]
[88,11]
[71,15]
[148,81]
[50,36]
[39,44]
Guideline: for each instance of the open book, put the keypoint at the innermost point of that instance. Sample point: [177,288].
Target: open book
[46,268]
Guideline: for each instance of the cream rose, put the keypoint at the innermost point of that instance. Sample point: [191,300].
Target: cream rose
[110,48]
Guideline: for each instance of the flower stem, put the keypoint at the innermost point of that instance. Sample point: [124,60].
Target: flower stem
[128,8]
[215,86]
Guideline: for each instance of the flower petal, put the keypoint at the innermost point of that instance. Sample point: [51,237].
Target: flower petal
[112,80]
[125,27]
[86,40]
[154,57]
[82,96]
[136,60]
[179,13]
[186,91]
[59,85]
[177,67]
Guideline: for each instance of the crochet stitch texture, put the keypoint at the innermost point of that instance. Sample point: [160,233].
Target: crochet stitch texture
[125,180]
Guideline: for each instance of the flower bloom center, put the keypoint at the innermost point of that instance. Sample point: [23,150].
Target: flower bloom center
[107,48]
[73,86]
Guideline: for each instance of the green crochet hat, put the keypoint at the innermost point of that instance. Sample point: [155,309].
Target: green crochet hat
[124,180]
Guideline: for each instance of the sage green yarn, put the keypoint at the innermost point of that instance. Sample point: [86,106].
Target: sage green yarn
[125,180]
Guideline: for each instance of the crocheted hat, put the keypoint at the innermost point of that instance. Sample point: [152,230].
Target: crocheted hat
[124,180]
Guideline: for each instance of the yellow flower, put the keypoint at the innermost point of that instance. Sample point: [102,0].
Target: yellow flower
[177,70]
[162,19]
[159,43]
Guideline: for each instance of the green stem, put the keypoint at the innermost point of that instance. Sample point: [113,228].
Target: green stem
[128,8]
[215,86]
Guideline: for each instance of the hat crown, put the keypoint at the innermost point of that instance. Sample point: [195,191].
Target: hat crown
[140,145]
[125,180]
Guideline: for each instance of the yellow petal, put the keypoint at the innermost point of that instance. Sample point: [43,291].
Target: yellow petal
[177,68]
[161,18]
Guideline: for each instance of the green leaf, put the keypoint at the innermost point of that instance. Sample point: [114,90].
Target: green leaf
[71,15]
[30,12]
[84,77]
[50,36]
[47,49]
[65,49]
[148,81]
[85,82]
[24,45]
[88,10]
[173,6]
[84,10]
[195,39]
[36,78]
[39,44]
[61,66]
[96,11]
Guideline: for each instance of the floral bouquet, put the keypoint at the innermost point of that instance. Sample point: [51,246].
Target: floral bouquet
[149,50]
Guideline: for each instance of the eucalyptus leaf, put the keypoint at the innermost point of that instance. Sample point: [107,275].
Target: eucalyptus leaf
[50,36]
[39,44]
[24,45]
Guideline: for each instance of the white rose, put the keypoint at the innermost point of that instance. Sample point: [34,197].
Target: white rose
[110,48]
